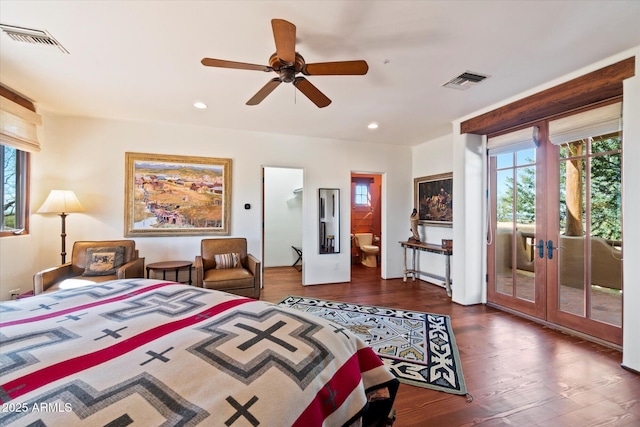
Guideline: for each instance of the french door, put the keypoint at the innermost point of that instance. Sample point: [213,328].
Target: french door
[555,248]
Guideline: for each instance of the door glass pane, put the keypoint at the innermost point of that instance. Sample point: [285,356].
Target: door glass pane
[604,143]
[515,231]
[504,230]
[504,160]
[591,205]
[606,235]
[525,229]
[571,266]
[526,157]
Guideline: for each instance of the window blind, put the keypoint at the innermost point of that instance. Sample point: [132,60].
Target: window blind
[513,141]
[18,126]
[595,122]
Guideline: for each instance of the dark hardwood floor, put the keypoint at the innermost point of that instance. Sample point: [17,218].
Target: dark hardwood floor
[519,372]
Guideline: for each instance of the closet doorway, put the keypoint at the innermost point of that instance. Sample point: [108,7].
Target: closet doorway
[282,193]
[366,216]
[556,239]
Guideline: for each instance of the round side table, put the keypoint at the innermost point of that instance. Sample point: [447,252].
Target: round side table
[170,266]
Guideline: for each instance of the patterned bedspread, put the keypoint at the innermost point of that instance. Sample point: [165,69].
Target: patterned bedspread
[149,352]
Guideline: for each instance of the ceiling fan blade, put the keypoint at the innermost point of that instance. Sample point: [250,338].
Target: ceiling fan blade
[342,68]
[221,63]
[311,92]
[266,90]
[284,33]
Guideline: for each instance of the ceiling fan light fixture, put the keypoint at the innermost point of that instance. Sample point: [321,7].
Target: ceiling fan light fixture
[200,105]
[373,125]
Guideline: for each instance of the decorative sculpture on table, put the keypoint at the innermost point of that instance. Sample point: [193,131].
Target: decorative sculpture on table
[414,218]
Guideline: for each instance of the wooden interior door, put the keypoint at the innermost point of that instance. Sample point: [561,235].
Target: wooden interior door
[516,273]
[555,249]
[584,238]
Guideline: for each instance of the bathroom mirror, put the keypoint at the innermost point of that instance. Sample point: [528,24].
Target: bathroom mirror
[329,204]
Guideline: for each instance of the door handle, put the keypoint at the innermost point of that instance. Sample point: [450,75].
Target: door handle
[540,247]
[550,249]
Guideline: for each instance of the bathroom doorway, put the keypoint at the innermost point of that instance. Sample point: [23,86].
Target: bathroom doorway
[366,218]
[282,218]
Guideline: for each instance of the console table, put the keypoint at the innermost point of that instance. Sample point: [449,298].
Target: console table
[170,266]
[426,247]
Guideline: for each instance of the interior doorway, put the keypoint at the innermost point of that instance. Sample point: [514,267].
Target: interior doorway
[282,192]
[366,218]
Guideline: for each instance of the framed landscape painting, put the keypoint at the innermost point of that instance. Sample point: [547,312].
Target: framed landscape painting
[168,195]
[433,199]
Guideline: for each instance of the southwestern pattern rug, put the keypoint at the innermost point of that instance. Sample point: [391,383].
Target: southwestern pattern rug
[418,348]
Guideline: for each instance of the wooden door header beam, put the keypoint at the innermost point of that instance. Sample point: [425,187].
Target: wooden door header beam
[596,86]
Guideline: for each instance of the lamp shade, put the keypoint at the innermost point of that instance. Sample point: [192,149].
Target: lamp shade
[61,201]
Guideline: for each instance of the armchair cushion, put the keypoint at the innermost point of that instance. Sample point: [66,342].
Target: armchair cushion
[103,261]
[71,274]
[224,261]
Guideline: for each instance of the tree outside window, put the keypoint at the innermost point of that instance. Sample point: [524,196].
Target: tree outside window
[13,191]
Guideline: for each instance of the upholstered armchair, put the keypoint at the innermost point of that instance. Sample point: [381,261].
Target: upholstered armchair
[92,262]
[224,265]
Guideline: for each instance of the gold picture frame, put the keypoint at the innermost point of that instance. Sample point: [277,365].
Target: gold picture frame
[433,199]
[168,195]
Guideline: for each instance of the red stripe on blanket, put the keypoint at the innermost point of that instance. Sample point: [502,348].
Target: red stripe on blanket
[124,296]
[44,376]
[339,387]
[368,359]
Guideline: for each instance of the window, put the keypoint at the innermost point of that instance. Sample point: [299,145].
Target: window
[362,195]
[14,191]
[18,139]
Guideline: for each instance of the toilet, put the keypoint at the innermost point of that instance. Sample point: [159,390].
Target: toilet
[368,251]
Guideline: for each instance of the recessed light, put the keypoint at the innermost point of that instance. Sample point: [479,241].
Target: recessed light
[373,125]
[200,105]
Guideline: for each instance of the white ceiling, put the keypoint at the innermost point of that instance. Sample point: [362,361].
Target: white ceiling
[140,60]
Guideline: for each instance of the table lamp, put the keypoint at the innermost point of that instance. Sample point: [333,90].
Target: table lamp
[61,202]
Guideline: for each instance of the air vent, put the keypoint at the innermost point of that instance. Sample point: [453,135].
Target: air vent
[465,80]
[28,35]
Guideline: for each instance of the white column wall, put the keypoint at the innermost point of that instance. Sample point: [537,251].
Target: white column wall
[631,225]
[468,219]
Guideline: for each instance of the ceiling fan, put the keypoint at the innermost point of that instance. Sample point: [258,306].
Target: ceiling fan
[287,63]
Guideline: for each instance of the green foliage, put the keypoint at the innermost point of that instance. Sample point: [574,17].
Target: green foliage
[606,190]
[9,186]
[525,196]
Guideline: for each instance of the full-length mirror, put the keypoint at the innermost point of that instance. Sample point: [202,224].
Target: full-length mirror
[329,203]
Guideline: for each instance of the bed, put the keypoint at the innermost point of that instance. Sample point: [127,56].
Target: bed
[151,352]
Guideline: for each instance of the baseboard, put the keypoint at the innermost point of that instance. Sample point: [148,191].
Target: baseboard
[558,327]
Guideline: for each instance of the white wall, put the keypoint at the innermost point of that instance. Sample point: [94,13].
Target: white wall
[432,158]
[631,226]
[468,218]
[87,155]
[282,215]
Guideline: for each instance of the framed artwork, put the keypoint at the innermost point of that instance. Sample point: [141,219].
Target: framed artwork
[433,199]
[168,195]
